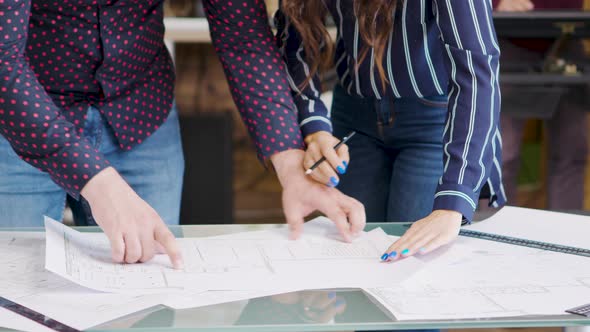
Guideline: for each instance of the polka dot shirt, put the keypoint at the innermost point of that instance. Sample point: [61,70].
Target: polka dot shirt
[57,57]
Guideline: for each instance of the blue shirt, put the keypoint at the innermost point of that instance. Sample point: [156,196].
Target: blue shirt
[438,47]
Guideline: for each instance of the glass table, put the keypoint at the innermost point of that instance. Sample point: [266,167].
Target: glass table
[351,311]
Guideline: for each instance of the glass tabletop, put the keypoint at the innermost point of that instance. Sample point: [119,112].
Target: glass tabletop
[351,311]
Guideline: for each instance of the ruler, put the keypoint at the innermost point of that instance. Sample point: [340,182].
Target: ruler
[526,243]
[35,316]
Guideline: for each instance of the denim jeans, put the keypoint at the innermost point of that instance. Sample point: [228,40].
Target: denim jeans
[154,169]
[396,158]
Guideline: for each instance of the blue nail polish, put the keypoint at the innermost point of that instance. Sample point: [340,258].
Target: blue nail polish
[392,255]
[405,252]
[334,181]
[345,164]
[340,170]
[422,250]
[384,256]
[339,303]
[331,295]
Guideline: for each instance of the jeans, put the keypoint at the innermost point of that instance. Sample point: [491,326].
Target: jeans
[396,155]
[396,158]
[154,169]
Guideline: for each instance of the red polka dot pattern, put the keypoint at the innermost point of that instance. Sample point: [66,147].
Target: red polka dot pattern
[256,73]
[57,57]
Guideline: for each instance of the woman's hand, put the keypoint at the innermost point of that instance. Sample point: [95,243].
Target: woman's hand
[515,6]
[439,228]
[321,144]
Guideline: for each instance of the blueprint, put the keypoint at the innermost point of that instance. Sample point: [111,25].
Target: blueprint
[483,279]
[214,264]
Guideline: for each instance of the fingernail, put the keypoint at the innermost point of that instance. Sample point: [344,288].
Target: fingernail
[334,181]
[392,255]
[341,170]
[345,164]
[331,295]
[384,256]
[329,185]
[405,252]
[339,303]
[422,250]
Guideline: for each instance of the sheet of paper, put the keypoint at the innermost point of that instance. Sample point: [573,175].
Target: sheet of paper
[23,279]
[483,279]
[318,260]
[538,225]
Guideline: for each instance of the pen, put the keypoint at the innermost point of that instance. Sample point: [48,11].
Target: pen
[317,163]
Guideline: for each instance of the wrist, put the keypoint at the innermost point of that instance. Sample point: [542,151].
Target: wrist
[101,184]
[287,163]
[449,214]
[314,136]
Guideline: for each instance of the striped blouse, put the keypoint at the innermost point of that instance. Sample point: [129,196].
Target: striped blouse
[438,47]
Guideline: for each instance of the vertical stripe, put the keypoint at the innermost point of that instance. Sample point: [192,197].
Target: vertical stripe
[454,24]
[497,163]
[492,36]
[476,24]
[389,68]
[294,86]
[373,85]
[316,93]
[427,48]
[471,116]
[356,54]
[454,111]
[491,127]
[407,51]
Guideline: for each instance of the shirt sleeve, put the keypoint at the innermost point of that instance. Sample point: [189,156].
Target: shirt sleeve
[29,120]
[313,115]
[472,60]
[255,72]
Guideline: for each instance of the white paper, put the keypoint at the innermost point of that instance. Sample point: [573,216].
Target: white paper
[538,225]
[483,279]
[267,262]
[24,280]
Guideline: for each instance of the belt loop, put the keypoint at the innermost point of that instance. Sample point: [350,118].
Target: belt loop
[384,110]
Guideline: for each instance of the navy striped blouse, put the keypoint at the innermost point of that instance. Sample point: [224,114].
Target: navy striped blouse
[438,47]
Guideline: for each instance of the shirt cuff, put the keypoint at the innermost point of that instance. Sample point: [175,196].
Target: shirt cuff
[313,124]
[73,167]
[456,197]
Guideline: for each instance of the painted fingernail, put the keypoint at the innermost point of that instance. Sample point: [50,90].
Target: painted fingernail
[331,295]
[422,250]
[339,303]
[334,181]
[345,164]
[341,170]
[392,255]
[384,256]
[405,252]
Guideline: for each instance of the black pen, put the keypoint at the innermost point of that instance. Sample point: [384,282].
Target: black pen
[317,163]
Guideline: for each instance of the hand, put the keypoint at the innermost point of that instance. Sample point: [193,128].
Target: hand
[322,144]
[439,228]
[316,306]
[515,6]
[302,196]
[134,229]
